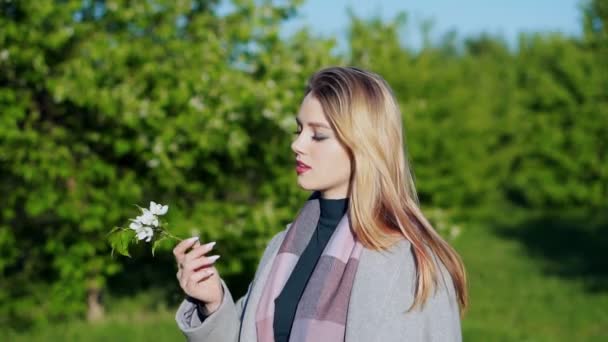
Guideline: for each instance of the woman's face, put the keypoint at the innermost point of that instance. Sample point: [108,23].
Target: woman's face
[317,146]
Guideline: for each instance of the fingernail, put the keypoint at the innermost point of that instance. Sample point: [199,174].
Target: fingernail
[210,244]
[192,239]
[213,258]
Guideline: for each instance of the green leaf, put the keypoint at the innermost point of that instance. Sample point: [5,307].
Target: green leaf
[120,239]
[157,243]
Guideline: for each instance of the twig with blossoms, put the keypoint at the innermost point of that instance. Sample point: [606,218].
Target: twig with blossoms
[146,227]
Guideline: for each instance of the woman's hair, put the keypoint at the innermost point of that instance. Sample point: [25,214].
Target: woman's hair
[383,205]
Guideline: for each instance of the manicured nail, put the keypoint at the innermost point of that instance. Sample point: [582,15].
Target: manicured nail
[192,239]
[213,258]
[210,245]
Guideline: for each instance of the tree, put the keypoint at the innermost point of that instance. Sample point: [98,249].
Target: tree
[107,104]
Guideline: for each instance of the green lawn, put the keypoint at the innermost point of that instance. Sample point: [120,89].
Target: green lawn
[518,293]
[158,327]
[512,299]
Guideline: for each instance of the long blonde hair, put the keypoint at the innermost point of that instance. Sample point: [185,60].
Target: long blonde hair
[383,205]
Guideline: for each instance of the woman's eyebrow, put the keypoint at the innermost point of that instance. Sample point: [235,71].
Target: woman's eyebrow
[314,124]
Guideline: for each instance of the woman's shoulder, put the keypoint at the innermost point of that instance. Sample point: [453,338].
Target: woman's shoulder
[404,254]
[399,247]
[401,253]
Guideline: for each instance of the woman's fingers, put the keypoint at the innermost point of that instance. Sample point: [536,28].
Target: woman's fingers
[200,262]
[194,267]
[197,277]
[187,281]
[180,262]
[195,253]
[180,250]
[201,275]
[194,260]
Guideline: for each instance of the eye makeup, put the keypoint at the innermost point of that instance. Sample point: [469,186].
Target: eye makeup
[314,137]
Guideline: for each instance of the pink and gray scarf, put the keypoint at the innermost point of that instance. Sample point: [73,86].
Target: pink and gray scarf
[321,312]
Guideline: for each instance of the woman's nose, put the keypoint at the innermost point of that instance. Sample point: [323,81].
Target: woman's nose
[296,145]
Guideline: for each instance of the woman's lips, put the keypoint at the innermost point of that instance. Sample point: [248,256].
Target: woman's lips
[301,167]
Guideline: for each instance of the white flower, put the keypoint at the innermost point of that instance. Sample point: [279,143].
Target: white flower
[158,209]
[145,233]
[135,225]
[147,218]
[144,226]
[141,229]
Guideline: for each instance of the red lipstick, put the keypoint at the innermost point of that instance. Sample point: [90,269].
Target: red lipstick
[301,167]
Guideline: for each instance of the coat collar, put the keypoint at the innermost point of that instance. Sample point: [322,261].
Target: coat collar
[375,280]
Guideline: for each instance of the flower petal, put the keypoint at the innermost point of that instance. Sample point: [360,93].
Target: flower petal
[149,233]
[141,234]
[135,225]
[163,210]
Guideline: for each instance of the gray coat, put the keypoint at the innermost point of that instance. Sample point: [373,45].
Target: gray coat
[383,290]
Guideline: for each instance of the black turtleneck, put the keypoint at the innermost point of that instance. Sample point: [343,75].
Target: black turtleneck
[332,210]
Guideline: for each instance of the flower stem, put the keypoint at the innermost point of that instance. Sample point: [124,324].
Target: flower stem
[171,235]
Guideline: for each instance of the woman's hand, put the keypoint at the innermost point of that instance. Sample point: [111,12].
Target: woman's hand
[196,274]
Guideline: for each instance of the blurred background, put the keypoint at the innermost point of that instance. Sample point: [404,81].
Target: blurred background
[109,104]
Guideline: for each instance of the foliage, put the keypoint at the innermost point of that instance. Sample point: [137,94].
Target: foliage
[115,102]
[110,103]
[491,127]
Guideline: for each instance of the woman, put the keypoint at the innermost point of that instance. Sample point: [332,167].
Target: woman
[360,262]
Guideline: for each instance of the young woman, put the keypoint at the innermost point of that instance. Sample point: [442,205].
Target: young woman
[360,262]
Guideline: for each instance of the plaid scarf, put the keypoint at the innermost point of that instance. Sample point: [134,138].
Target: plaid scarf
[321,312]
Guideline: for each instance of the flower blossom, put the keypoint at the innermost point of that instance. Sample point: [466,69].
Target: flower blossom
[147,218]
[145,233]
[158,209]
[146,226]
[142,232]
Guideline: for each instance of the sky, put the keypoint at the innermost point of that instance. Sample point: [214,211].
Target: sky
[468,17]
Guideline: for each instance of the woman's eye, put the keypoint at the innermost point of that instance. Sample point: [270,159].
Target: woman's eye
[314,137]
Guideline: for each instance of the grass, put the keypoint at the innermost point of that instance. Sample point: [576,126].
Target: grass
[518,292]
[158,327]
[139,318]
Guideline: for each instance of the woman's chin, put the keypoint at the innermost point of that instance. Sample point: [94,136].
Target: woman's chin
[304,185]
